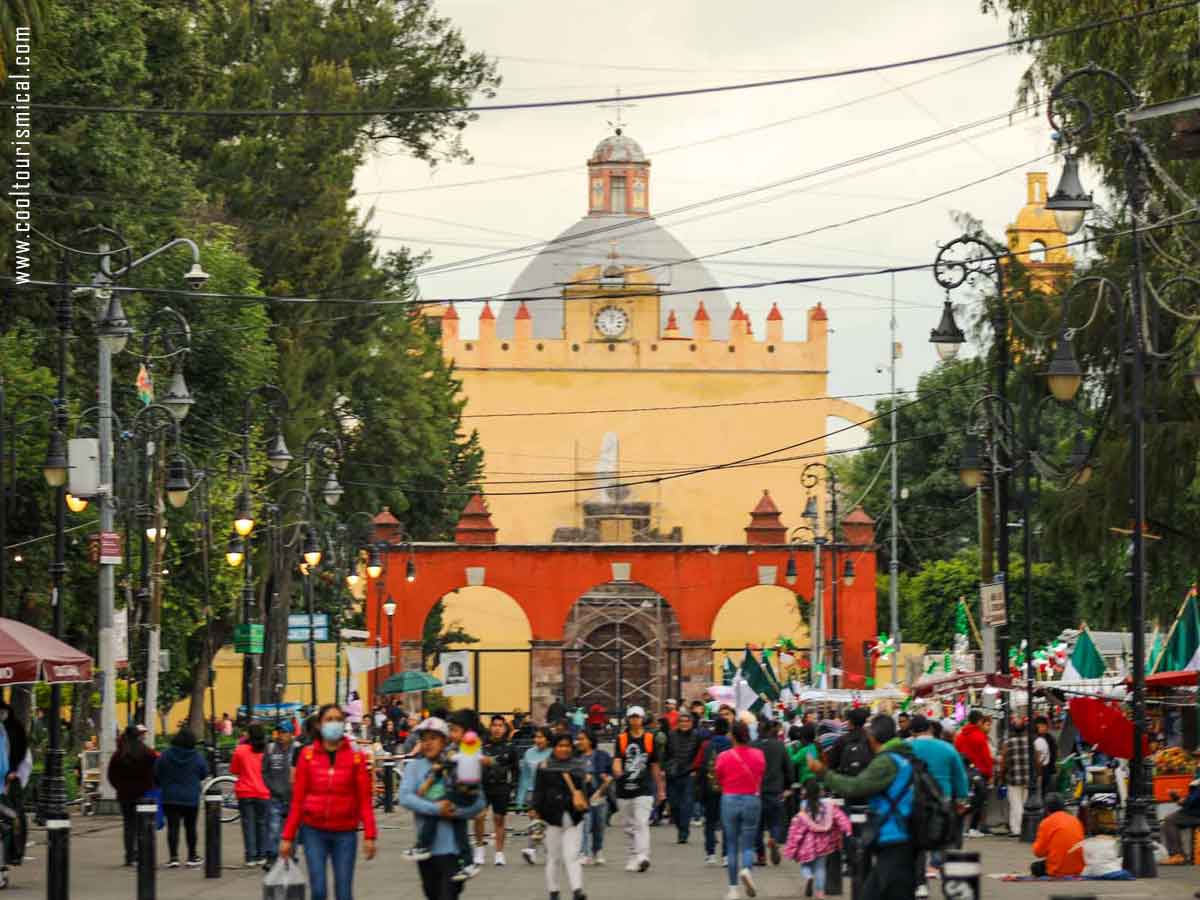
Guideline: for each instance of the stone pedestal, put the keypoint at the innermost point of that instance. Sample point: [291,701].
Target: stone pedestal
[695,669]
[545,676]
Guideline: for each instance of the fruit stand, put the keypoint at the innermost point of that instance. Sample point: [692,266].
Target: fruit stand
[1174,769]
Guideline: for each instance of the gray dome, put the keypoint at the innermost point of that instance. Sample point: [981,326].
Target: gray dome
[642,243]
[617,148]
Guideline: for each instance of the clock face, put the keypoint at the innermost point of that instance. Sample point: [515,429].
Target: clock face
[612,321]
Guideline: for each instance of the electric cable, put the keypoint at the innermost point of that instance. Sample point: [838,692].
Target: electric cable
[593,101]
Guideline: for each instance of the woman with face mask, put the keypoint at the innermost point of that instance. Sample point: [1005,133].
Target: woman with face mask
[331,797]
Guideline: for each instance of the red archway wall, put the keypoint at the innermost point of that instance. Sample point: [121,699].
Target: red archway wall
[547,579]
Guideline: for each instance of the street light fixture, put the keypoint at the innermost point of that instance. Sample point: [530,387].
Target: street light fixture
[1064,376]
[76,504]
[389,608]
[947,338]
[410,571]
[178,399]
[114,329]
[970,467]
[153,534]
[244,523]
[235,550]
[312,549]
[848,573]
[177,485]
[332,492]
[56,464]
[1069,202]
[279,457]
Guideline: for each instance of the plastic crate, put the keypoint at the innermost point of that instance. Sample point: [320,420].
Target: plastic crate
[1164,784]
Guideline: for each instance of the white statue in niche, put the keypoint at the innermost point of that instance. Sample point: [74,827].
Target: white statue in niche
[609,464]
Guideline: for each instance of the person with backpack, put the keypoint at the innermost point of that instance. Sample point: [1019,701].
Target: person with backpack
[947,768]
[636,766]
[277,762]
[852,753]
[888,786]
[710,788]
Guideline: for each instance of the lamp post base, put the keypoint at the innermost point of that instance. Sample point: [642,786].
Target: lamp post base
[58,826]
[1137,852]
[1031,818]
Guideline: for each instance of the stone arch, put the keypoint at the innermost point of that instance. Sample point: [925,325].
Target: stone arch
[621,647]
[756,615]
[500,660]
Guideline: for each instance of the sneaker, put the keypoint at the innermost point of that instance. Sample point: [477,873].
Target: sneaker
[773,849]
[643,864]
[712,860]
[253,863]
[417,854]
[632,865]
[922,892]
[931,872]
[173,863]
[500,860]
[974,833]
[747,881]
[472,870]
[733,894]
[1176,859]
[585,860]
[724,861]
[480,857]
[194,862]
[599,859]
[530,855]
[461,875]
[578,895]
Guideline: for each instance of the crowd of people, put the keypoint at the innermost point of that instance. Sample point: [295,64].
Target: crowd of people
[756,790]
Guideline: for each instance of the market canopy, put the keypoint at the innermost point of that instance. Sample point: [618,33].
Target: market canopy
[28,656]
[961,681]
[409,682]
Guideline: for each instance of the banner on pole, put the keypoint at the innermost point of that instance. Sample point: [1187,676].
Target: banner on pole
[120,638]
[991,599]
[367,659]
[456,676]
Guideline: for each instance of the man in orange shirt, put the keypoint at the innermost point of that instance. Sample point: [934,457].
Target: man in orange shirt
[1058,839]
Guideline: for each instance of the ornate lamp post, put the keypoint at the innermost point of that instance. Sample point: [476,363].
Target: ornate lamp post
[963,260]
[1018,431]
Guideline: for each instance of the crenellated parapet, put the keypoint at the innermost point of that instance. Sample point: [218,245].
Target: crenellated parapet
[618,317]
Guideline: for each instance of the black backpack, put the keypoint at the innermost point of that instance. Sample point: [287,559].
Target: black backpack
[931,825]
[856,753]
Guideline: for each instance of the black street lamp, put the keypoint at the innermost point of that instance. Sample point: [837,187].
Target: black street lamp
[964,260]
[1070,203]
[1018,431]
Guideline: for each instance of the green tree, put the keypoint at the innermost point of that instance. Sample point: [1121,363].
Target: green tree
[438,635]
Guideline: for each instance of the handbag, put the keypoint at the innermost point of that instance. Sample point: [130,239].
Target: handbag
[285,881]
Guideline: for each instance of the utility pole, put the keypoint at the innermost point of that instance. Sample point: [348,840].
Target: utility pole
[894,561]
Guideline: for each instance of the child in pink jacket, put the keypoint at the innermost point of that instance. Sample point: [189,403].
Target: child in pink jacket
[816,831]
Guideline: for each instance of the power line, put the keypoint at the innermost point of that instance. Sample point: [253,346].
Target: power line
[593,101]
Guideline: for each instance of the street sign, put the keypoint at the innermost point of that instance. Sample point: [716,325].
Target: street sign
[298,627]
[110,548]
[991,601]
[248,638]
[354,634]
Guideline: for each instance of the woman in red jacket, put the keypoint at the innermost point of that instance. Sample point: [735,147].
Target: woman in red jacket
[252,793]
[331,797]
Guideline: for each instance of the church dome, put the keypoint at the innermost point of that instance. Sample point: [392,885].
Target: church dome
[618,148]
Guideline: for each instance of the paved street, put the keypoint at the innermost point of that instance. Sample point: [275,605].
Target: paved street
[677,873]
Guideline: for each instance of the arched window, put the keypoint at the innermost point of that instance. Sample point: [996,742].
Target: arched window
[1037,252]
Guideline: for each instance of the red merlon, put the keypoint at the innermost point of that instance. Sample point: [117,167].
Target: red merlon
[817,313]
[672,325]
[738,313]
[475,524]
[523,311]
[701,313]
[487,311]
[774,315]
[450,313]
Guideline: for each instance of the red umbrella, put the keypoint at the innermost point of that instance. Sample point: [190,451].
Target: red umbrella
[28,656]
[1104,725]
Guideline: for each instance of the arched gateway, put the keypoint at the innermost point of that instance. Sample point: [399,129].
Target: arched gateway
[619,623]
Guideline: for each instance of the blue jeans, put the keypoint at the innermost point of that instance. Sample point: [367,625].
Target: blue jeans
[816,871]
[739,818]
[277,814]
[679,795]
[254,827]
[321,847]
[593,830]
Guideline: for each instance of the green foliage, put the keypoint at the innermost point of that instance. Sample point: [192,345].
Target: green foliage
[439,635]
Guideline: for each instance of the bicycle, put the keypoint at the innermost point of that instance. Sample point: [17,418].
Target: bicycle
[224,784]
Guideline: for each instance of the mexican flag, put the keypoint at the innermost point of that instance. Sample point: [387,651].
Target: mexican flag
[757,681]
[728,671]
[1182,651]
[1085,660]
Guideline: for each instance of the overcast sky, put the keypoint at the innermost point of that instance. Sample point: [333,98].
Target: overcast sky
[552,50]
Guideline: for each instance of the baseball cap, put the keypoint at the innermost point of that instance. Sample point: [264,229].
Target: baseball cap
[672,703]
[434,724]
[918,724]
[285,726]
[635,711]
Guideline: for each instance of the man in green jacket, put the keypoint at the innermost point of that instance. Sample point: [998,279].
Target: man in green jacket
[887,786]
